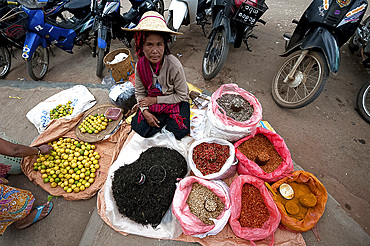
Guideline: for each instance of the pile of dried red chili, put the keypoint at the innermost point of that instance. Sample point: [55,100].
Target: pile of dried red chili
[254,212]
[210,157]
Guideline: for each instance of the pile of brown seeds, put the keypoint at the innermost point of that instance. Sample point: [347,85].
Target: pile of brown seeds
[236,107]
[204,204]
[260,150]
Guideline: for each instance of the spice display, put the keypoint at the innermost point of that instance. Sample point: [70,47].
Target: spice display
[303,199]
[210,157]
[144,189]
[94,123]
[260,150]
[61,110]
[204,204]
[71,165]
[254,212]
[236,107]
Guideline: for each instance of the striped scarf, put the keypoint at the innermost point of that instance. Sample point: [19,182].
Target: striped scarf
[146,77]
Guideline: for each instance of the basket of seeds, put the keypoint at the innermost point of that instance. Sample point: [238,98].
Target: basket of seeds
[232,114]
[201,206]
[264,155]
[212,158]
[254,214]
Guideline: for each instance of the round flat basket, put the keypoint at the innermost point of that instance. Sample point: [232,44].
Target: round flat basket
[94,137]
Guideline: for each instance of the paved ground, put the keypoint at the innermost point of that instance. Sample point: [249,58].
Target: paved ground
[327,138]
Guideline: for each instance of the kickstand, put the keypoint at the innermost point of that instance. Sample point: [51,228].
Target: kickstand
[51,51]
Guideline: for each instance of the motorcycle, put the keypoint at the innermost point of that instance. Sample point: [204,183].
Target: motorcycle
[108,24]
[360,43]
[13,27]
[186,12]
[313,50]
[233,23]
[44,31]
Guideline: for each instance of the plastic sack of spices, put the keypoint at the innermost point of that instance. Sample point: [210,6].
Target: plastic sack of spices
[212,158]
[247,166]
[190,223]
[219,124]
[314,213]
[269,226]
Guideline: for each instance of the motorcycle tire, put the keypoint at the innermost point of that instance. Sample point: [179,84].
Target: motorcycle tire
[307,84]
[363,102]
[215,54]
[5,62]
[99,64]
[159,7]
[38,65]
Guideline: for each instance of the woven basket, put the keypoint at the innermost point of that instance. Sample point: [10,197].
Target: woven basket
[121,70]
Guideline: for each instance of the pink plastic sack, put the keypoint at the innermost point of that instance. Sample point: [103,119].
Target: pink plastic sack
[246,166]
[191,225]
[250,2]
[269,227]
[235,90]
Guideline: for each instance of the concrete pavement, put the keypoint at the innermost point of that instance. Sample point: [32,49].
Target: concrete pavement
[77,222]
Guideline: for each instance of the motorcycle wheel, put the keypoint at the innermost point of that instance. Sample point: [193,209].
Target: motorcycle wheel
[352,44]
[309,80]
[159,7]
[5,62]
[99,64]
[38,65]
[363,102]
[215,54]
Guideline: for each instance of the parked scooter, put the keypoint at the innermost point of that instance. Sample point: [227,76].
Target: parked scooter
[233,23]
[186,12]
[109,22]
[13,28]
[43,32]
[313,50]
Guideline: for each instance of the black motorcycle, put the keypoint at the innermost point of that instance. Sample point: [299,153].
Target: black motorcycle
[360,44]
[108,24]
[233,23]
[313,50]
[13,28]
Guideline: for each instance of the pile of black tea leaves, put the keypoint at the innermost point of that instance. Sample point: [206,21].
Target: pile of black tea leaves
[144,189]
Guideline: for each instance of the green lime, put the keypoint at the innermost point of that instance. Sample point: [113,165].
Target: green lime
[46,180]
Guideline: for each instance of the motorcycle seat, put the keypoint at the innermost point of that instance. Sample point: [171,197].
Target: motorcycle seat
[70,24]
[130,15]
[77,4]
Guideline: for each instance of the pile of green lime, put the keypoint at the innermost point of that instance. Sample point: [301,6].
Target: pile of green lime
[71,164]
[61,110]
[94,123]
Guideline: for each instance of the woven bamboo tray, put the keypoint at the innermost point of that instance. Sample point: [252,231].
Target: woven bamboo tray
[94,137]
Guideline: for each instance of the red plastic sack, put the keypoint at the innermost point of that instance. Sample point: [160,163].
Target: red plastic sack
[246,166]
[192,225]
[235,90]
[269,227]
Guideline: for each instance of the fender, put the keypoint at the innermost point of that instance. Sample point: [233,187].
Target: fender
[321,39]
[32,41]
[222,21]
[179,12]
[102,36]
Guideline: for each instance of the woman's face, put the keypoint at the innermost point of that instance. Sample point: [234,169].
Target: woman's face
[153,48]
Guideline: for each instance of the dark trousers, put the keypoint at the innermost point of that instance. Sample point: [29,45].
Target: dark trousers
[146,131]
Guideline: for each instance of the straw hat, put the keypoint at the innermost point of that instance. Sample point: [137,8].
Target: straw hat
[152,21]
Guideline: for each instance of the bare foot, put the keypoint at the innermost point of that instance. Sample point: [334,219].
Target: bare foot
[39,212]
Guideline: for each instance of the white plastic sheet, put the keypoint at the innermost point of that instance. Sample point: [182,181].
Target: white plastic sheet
[170,227]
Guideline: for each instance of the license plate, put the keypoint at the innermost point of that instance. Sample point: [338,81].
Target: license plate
[248,14]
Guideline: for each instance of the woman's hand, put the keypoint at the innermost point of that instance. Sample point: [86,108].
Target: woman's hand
[147,101]
[151,119]
[45,148]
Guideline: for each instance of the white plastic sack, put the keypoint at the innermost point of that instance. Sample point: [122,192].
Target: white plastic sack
[80,97]
[215,128]
[228,169]
[197,119]
[169,228]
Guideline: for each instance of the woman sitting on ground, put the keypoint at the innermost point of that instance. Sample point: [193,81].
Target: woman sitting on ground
[160,84]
